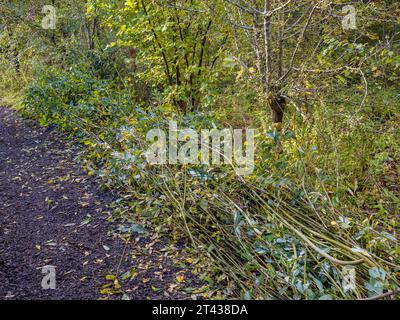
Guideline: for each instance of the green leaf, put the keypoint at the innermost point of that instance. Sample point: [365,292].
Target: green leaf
[377,273]
[326,297]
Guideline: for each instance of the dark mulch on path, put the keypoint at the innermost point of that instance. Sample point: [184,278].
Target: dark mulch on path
[45,200]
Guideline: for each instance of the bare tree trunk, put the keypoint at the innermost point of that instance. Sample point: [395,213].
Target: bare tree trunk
[277,104]
[267,46]
[276,101]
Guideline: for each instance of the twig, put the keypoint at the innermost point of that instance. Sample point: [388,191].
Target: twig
[384,295]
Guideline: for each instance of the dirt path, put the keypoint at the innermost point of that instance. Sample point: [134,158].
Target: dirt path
[52,213]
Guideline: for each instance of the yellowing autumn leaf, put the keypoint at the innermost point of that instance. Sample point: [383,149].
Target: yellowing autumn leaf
[116,284]
[146,280]
[110,277]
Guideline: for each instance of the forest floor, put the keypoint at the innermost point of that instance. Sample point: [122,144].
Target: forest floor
[53,214]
